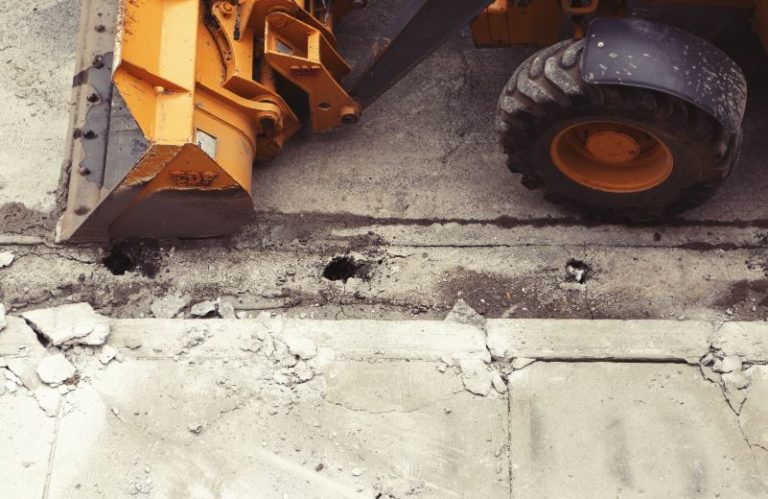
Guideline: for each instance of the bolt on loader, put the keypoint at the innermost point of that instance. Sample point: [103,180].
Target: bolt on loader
[617,115]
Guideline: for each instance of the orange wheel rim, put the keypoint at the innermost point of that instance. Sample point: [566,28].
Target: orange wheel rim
[612,157]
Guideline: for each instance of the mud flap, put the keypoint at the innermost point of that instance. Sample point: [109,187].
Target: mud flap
[639,53]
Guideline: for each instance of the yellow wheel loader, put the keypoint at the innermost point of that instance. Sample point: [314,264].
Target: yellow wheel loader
[617,115]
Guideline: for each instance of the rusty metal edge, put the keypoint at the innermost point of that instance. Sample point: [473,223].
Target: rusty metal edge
[96,37]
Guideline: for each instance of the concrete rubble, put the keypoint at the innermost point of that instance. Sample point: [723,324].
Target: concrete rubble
[55,369]
[74,324]
[168,307]
[203,309]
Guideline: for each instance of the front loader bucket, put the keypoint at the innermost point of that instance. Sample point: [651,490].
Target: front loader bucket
[144,160]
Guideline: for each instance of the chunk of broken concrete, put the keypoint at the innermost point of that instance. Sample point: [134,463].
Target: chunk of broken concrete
[226,310]
[55,369]
[3,320]
[463,313]
[709,374]
[476,377]
[69,324]
[730,363]
[168,307]
[6,259]
[300,346]
[737,379]
[203,309]
[108,353]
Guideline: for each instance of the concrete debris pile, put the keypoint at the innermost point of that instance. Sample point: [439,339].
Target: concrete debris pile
[727,371]
[51,350]
[172,306]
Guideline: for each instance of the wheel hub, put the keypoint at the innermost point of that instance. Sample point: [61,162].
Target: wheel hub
[613,147]
[611,157]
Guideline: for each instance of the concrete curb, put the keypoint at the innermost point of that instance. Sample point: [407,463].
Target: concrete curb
[506,339]
[503,339]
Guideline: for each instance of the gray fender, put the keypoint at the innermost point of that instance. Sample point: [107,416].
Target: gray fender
[640,53]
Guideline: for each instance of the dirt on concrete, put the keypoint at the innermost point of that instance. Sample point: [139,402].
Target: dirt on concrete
[417,194]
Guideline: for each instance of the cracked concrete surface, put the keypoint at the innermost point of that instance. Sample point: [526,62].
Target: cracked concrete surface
[417,192]
[418,189]
[304,408]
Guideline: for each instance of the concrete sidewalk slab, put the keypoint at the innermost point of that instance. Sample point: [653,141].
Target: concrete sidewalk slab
[626,430]
[374,409]
[27,436]
[225,428]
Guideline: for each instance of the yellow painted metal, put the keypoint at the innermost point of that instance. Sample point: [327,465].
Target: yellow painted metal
[200,79]
[301,53]
[506,22]
[155,66]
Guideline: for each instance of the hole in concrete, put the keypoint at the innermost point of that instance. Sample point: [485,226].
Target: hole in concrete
[119,261]
[343,268]
[577,271]
[127,256]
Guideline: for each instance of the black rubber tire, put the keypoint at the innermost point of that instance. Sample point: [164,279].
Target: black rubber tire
[546,94]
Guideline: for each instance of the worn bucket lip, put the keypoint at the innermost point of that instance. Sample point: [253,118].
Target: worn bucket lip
[96,38]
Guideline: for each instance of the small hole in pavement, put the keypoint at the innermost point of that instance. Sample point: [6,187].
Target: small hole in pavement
[119,260]
[136,255]
[343,268]
[577,271]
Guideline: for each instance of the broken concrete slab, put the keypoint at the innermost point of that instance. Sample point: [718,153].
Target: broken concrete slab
[653,429]
[3,320]
[70,324]
[315,418]
[599,339]
[19,340]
